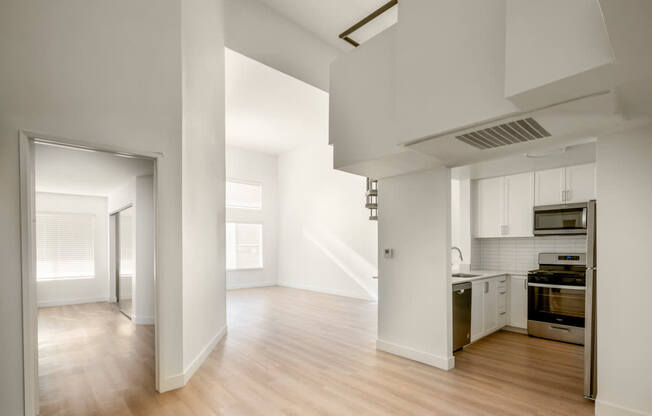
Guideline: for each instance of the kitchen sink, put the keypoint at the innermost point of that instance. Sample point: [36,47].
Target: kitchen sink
[465,275]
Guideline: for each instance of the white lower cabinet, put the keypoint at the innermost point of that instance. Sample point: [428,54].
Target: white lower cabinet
[518,301]
[477,310]
[488,306]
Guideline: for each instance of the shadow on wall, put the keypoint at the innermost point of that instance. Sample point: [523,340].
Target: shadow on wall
[348,260]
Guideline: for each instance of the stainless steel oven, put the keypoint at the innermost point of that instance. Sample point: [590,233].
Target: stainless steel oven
[557,296]
[560,219]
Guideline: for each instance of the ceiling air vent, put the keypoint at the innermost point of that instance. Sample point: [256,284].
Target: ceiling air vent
[517,131]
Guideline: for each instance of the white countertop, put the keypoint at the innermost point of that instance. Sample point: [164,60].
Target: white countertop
[485,274]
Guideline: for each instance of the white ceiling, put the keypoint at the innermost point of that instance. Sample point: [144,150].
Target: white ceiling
[78,172]
[269,111]
[327,19]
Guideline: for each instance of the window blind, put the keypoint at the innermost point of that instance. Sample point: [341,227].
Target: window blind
[244,246]
[64,245]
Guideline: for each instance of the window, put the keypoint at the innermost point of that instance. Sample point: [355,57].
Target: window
[244,246]
[64,245]
[244,195]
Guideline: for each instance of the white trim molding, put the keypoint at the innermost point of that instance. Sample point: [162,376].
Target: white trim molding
[190,370]
[235,286]
[79,301]
[180,380]
[142,320]
[603,408]
[327,291]
[416,355]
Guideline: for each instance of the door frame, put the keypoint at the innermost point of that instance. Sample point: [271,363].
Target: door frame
[26,142]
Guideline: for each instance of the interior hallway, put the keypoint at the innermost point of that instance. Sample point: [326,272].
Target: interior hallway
[294,352]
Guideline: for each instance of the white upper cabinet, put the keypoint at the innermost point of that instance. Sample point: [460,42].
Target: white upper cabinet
[580,183]
[565,185]
[549,186]
[489,207]
[503,206]
[519,192]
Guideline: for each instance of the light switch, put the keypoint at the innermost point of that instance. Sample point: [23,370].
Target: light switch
[389,253]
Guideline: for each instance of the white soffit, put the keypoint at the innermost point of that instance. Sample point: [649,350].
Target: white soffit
[81,172]
[327,19]
[269,111]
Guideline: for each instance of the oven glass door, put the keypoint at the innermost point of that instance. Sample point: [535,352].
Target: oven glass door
[556,305]
[571,219]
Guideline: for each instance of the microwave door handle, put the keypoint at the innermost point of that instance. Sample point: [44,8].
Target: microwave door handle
[584,214]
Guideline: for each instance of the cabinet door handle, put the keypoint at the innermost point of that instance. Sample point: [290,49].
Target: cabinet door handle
[503,313]
[486,287]
[502,293]
[563,196]
[525,284]
[569,194]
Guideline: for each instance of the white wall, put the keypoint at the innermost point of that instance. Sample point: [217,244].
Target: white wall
[108,73]
[326,241]
[460,79]
[260,168]
[261,33]
[83,290]
[569,36]
[624,283]
[414,299]
[461,222]
[204,280]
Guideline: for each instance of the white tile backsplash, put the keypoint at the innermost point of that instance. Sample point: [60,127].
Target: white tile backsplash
[520,254]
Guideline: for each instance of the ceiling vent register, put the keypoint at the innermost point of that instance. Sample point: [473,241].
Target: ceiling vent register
[517,131]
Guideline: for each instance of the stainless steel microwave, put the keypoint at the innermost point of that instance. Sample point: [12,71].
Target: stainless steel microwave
[560,219]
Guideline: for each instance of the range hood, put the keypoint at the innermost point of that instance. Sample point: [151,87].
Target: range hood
[562,124]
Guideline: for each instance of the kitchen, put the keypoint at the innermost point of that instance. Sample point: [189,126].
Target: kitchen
[523,255]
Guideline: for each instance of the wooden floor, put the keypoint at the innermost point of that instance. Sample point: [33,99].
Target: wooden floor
[293,352]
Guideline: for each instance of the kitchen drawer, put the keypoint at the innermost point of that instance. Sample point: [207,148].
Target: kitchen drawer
[502,317]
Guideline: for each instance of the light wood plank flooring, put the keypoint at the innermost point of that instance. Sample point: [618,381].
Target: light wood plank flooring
[293,352]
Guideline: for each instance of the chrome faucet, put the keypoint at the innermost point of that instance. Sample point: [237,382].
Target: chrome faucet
[459,251]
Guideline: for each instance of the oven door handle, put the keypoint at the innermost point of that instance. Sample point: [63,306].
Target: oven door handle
[557,286]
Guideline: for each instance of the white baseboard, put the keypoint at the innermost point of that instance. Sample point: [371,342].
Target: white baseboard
[603,408]
[180,380]
[232,286]
[171,383]
[327,291]
[143,320]
[190,370]
[515,329]
[416,355]
[64,302]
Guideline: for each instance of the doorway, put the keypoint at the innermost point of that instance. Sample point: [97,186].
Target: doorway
[71,284]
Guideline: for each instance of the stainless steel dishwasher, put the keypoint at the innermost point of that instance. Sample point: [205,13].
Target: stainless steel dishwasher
[461,315]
